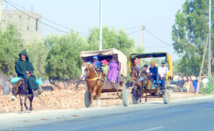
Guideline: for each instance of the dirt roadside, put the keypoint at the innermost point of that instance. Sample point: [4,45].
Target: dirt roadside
[73,99]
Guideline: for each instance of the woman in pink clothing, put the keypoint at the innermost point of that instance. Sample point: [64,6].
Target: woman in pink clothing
[114,69]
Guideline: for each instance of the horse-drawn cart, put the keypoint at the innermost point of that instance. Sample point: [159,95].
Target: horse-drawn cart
[99,81]
[143,82]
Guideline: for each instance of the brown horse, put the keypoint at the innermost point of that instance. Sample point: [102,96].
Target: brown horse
[21,88]
[143,84]
[94,80]
[141,81]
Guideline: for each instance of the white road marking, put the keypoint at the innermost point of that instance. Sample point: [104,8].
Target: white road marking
[154,128]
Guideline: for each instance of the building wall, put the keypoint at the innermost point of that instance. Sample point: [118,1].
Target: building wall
[29,26]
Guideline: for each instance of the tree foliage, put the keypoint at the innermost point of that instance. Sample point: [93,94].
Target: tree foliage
[111,39]
[189,34]
[37,52]
[10,47]
[57,56]
[63,61]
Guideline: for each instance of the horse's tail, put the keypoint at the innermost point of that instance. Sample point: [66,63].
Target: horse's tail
[77,85]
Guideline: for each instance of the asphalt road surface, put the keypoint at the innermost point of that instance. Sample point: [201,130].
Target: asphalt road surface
[182,115]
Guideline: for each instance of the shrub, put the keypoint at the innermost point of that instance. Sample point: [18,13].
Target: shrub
[210,87]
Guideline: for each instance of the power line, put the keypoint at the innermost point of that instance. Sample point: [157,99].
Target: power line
[34,18]
[156,37]
[134,32]
[43,18]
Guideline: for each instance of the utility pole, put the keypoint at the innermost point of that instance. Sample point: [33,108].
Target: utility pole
[202,64]
[141,44]
[209,55]
[1,3]
[100,43]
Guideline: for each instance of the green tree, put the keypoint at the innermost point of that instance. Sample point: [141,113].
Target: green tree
[63,61]
[189,34]
[10,47]
[111,39]
[37,52]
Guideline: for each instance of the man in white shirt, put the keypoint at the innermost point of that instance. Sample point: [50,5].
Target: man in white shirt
[162,73]
[205,82]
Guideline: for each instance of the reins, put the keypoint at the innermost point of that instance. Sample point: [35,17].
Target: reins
[89,66]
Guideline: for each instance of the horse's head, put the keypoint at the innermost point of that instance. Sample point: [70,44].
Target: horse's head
[134,74]
[15,89]
[88,68]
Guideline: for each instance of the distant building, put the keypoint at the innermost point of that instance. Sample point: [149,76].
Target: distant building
[29,24]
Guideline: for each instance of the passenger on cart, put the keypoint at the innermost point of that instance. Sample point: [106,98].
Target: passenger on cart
[136,62]
[105,67]
[96,63]
[145,68]
[153,72]
[162,73]
[114,69]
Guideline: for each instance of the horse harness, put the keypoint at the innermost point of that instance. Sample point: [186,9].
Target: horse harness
[138,75]
[98,75]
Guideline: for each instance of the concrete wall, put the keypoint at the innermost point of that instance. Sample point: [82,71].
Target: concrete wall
[29,24]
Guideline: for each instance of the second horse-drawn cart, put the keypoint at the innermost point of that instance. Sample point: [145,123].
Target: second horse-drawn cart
[144,84]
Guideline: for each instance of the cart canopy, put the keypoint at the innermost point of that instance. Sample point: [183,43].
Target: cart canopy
[106,54]
[167,56]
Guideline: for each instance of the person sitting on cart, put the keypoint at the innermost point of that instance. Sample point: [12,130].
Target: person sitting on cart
[162,73]
[105,67]
[153,72]
[136,62]
[145,68]
[114,69]
[96,63]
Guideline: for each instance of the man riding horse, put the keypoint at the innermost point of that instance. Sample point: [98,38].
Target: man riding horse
[25,69]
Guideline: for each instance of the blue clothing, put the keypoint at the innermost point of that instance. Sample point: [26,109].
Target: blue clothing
[195,84]
[98,64]
[154,72]
[95,57]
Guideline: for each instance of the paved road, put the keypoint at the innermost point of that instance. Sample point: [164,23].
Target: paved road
[193,115]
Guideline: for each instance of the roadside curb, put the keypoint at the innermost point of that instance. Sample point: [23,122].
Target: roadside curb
[195,98]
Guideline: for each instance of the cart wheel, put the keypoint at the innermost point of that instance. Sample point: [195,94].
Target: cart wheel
[134,101]
[166,99]
[87,98]
[126,97]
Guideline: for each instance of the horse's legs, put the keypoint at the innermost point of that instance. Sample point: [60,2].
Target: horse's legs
[95,89]
[146,95]
[31,101]
[25,100]
[21,103]
[98,92]
[141,93]
[93,93]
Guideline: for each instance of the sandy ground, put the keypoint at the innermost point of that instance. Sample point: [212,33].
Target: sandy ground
[74,99]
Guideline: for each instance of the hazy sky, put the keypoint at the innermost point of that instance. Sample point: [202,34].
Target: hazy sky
[157,16]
